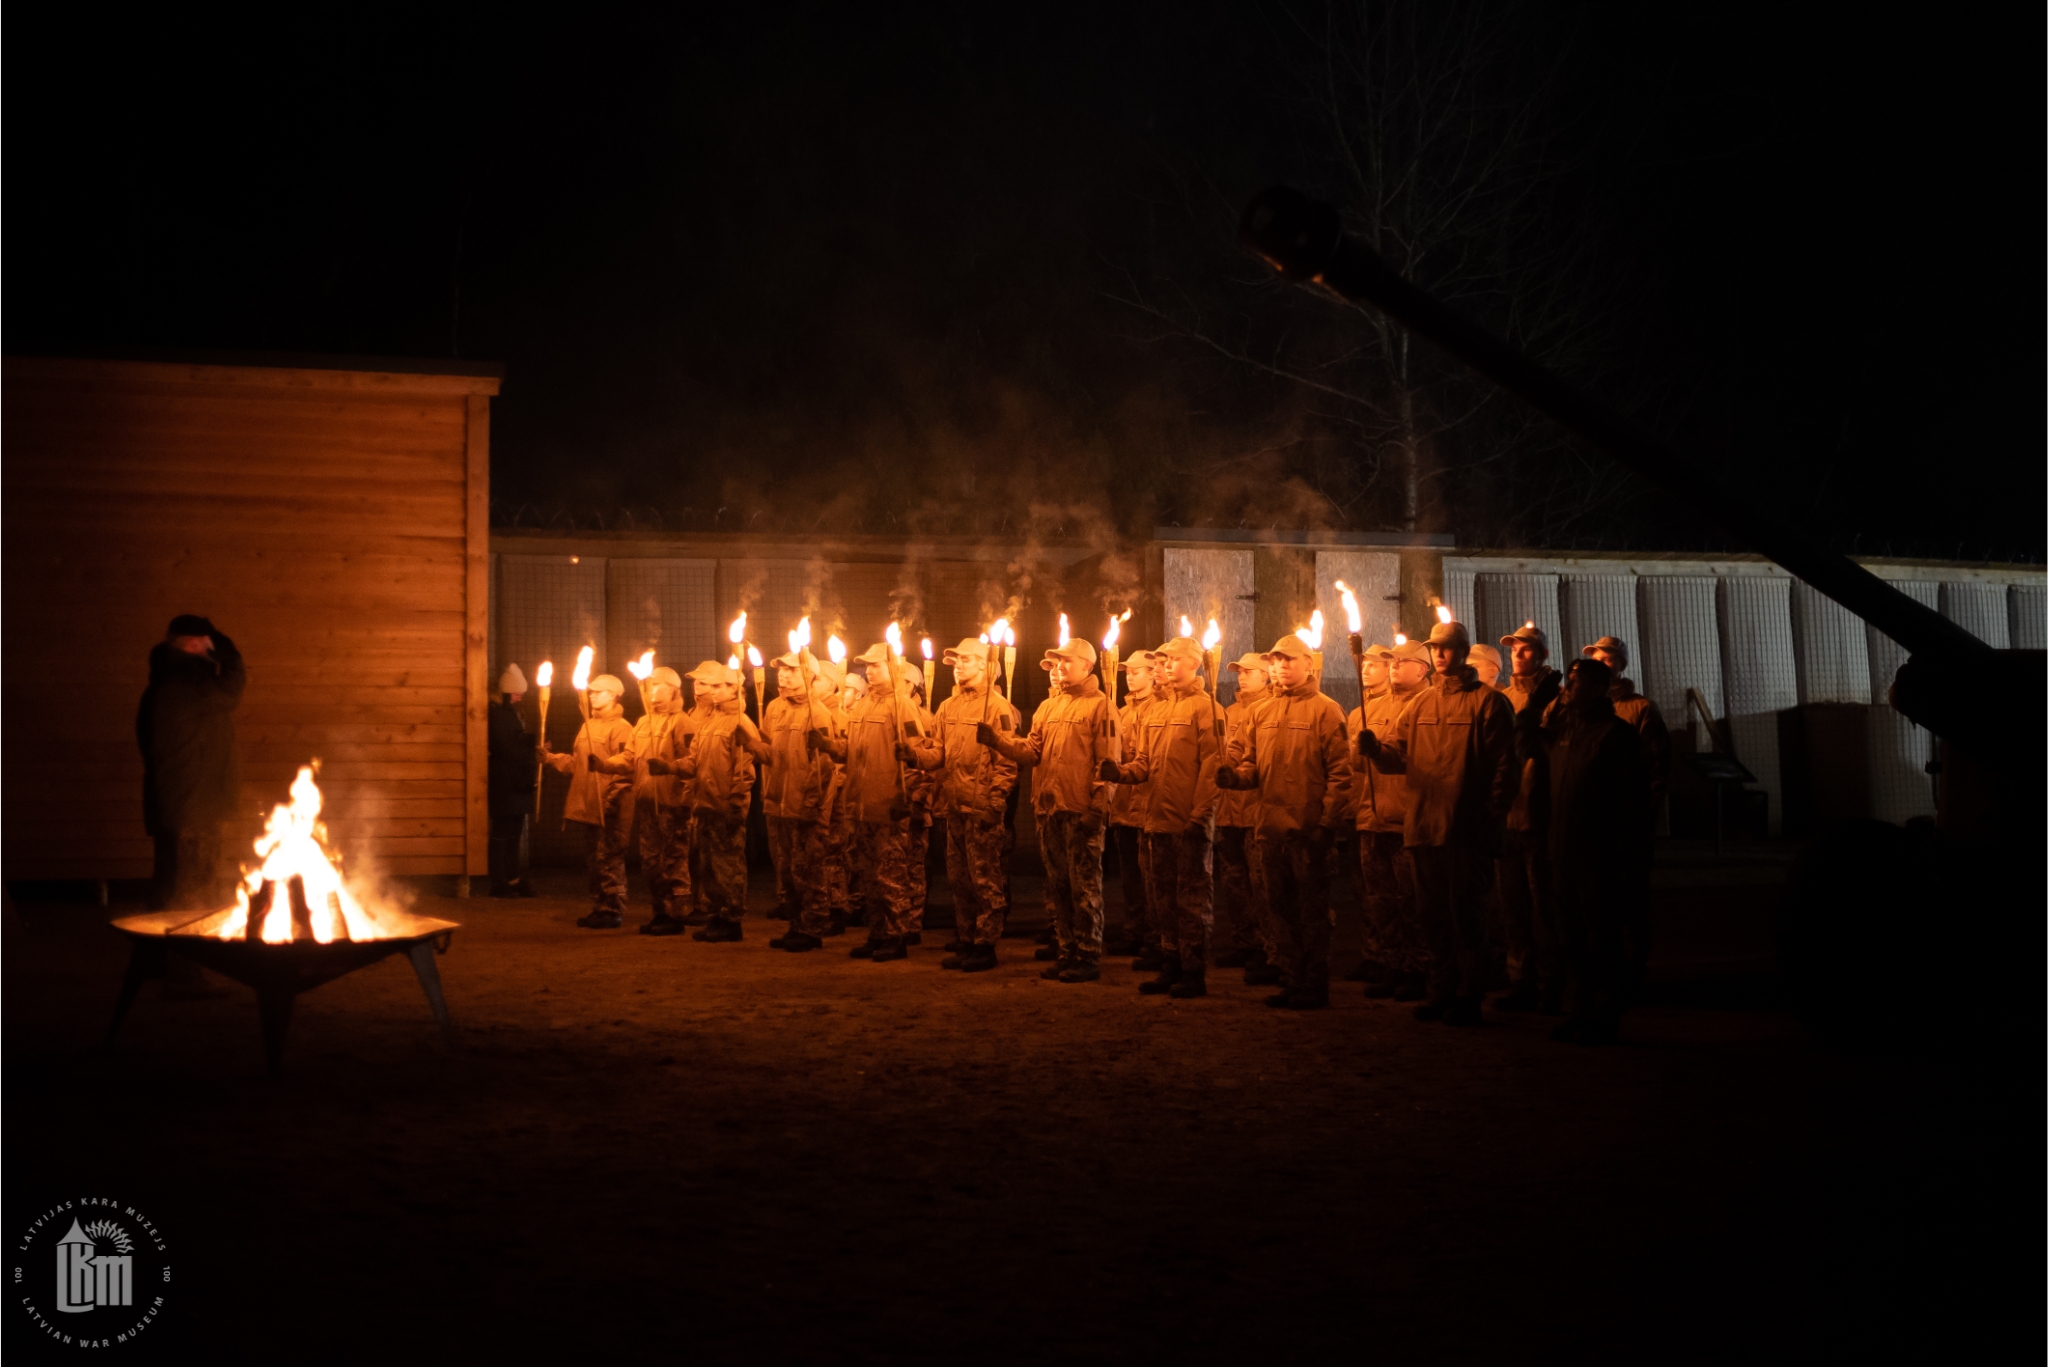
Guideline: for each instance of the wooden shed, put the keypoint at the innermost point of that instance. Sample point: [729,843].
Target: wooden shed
[330,515]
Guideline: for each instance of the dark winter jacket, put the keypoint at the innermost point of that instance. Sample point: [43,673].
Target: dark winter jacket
[514,763]
[191,766]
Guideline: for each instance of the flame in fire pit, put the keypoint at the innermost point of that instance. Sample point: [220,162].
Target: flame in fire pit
[294,845]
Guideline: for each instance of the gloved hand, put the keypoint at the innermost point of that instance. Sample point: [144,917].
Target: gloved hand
[1368,744]
[1090,825]
[899,810]
[1321,837]
[590,762]
[657,765]
[984,734]
[1226,778]
[1106,771]
[904,754]
[814,740]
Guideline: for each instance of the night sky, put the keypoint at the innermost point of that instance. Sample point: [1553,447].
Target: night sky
[864,269]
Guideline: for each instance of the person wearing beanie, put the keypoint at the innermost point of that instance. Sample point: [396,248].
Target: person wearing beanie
[598,800]
[1529,933]
[972,793]
[1235,890]
[191,762]
[511,773]
[1396,954]
[720,768]
[1294,758]
[1456,744]
[1071,733]
[1175,773]
[1127,814]
[799,787]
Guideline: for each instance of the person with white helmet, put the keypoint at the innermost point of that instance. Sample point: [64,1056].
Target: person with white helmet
[598,799]
[509,782]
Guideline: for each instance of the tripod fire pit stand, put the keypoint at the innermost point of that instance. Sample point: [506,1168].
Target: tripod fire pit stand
[278,972]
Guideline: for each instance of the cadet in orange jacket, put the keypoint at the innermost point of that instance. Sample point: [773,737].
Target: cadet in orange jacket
[1395,942]
[798,788]
[720,767]
[876,794]
[1176,776]
[973,797]
[1456,744]
[660,823]
[597,799]
[1293,755]
[1234,812]
[1127,817]
[1071,734]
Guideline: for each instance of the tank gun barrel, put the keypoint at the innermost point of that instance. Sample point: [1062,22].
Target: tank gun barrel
[1304,240]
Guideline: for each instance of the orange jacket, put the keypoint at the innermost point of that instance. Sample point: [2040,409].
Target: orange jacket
[1456,744]
[606,735]
[1380,799]
[797,782]
[1133,727]
[720,764]
[973,779]
[874,783]
[1294,753]
[1071,734]
[1177,767]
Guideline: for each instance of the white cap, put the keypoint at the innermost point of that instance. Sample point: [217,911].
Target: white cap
[511,681]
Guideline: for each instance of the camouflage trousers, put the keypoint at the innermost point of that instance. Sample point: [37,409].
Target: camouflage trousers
[1386,892]
[1291,881]
[1529,931]
[663,837]
[1130,860]
[1179,894]
[720,849]
[882,860]
[1451,883]
[801,850]
[604,850]
[920,868]
[841,887]
[1234,891]
[977,872]
[1071,846]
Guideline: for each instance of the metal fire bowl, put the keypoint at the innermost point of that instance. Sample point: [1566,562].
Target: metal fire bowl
[278,973]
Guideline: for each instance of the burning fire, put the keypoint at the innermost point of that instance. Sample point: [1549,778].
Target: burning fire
[893,634]
[1065,635]
[1213,637]
[1399,639]
[1187,628]
[835,648]
[641,667]
[1000,635]
[1443,613]
[737,633]
[926,646]
[1312,634]
[581,678]
[732,661]
[800,639]
[294,845]
[1115,632]
[544,676]
[754,656]
[1351,613]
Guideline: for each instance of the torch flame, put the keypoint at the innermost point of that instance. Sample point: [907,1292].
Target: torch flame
[836,648]
[544,676]
[1213,637]
[926,646]
[1312,634]
[1351,614]
[754,656]
[1399,639]
[738,631]
[732,661]
[1115,630]
[641,667]
[1065,636]
[999,634]
[1443,614]
[893,634]
[1187,628]
[800,639]
[581,678]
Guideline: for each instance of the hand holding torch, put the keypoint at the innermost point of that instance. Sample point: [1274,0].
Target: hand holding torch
[544,679]
[1357,625]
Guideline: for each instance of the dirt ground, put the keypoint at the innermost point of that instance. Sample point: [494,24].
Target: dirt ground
[728,1154]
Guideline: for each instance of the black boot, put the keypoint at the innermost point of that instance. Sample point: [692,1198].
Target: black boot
[1169,974]
[957,959]
[891,949]
[956,945]
[1304,999]
[865,950]
[1193,983]
[1052,972]
[662,924]
[1081,971]
[1045,952]
[796,942]
[980,959]
[720,930]
[601,920]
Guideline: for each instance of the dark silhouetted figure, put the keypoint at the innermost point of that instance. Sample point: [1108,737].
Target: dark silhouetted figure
[191,766]
[514,769]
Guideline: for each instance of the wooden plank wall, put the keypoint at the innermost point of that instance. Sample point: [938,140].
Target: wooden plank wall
[333,522]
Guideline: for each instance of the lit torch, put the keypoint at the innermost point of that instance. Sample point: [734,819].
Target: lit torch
[931,698]
[760,682]
[1109,654]
[1187,628]
[1009,661]
[806,663]
[1065,635]
[893,662]
[640,669]
[1357,625]
[1443,614]
[544,679]
[1312,637]
[580,679]
[836,648]
[1212,657]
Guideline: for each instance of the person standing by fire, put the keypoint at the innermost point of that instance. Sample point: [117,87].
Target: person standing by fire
[1126,816]
[798,788]
[1176,773]
[1456,744]
[1072,734]
[191,763]
[509,783]
[598,799]
[974,784]
[1293,756]
[1395,943]
[877,795]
